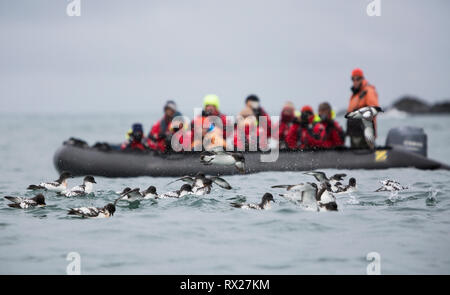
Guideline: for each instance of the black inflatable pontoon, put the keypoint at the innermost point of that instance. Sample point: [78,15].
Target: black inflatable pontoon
[80,159]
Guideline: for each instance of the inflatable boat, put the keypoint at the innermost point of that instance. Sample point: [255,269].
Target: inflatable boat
[108,160]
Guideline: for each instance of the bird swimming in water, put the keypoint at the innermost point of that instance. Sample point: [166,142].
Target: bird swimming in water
[264,205]
[224,158]
[390,186]
[186,189]
[58,185]
[94,212]
[131,195]
[150,193]
[311,196]
[24,203]
[83,189]
[198,179]
[321,177]
[349,188]
[366,114]
[204,189]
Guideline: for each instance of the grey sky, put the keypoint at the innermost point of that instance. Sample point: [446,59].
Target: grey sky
[130,56]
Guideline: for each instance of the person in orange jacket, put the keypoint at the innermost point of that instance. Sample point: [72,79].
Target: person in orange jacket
[363,95]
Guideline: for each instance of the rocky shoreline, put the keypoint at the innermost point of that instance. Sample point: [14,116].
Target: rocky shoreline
[414,105]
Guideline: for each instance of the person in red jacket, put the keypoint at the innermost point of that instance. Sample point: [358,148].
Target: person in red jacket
[135,139]
[331,133]
[304,134]
[286,120]
[160,133]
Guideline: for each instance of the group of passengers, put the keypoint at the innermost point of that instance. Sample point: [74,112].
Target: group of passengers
[301,129]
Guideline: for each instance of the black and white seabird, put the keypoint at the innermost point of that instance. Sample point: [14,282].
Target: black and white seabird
[303,193]
[322,177]
[94,212]
[390,186]
[131,195]
[366,114]
[24,203]
[311,196]
[83,189]
[224,158]
[204,189]
[58,185]
[326,200]
[186,189]
[198,179]
[264,205]
[349,188]
[334,180]
[150,193]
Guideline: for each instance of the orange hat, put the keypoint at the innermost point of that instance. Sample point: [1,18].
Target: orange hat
[357,73]
[307,108]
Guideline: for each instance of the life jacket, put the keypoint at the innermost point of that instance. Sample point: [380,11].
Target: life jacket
[133,145]
[303,137]
[363,97]
[160,133]
[331,134]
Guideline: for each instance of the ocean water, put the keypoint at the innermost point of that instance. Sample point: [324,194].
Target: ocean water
[205,235]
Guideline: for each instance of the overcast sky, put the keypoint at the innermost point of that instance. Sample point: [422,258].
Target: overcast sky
[130,56]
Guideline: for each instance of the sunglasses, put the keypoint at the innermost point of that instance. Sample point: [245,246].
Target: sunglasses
[356,78]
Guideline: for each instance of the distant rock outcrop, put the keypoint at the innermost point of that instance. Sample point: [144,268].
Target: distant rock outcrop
[415,105]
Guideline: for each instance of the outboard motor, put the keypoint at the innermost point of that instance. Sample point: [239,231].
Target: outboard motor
[413,139]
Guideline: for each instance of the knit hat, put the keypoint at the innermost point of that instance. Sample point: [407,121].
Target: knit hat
[357,73]
[171,105]
[307,108]
[211,99]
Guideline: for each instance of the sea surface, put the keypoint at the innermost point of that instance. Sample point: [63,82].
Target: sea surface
[205,235]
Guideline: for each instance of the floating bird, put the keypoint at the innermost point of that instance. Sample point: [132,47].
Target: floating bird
[203,190]
[94,212]
[326,200]
[303,193]
[131,195]
[198,179]
[310,195]
[333,180]
[58,185]
[150,193]
[224,158]
[264,205]
[350,188]
[83,189]
[185,189]
[390,186]
[322,177]
[366,114]
[24,203]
